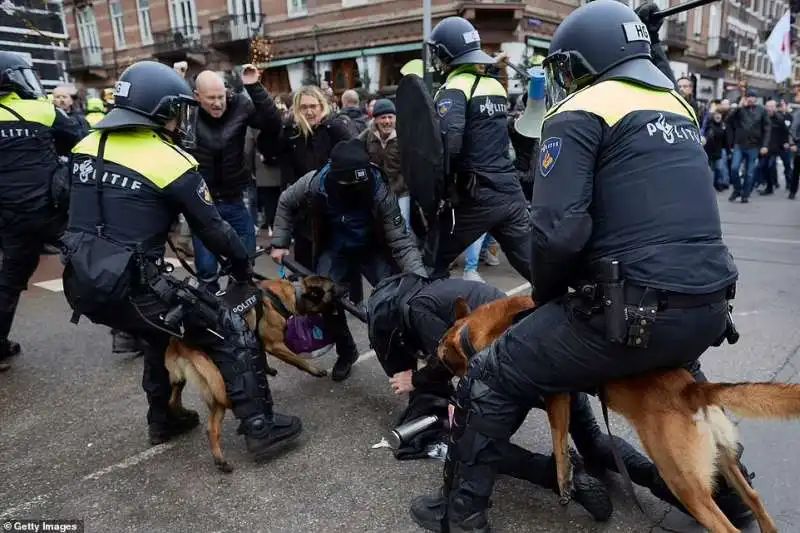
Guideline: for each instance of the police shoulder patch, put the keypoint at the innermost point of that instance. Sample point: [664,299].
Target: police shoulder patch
[204,193]
[444,106]
[548,155]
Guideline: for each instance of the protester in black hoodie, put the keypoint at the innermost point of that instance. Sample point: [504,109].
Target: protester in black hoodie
[751,131]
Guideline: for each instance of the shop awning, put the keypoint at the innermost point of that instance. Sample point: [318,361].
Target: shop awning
[375,51]
[283,62]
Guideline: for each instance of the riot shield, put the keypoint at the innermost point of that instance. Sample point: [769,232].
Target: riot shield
[420,144]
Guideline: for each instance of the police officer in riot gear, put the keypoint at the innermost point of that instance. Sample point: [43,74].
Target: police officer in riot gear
[472,110]
[33,133]
[619,148]
[114,248]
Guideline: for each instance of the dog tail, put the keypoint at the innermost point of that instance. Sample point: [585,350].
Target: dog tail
[749,400]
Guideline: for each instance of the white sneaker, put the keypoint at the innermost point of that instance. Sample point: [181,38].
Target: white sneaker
[473,275]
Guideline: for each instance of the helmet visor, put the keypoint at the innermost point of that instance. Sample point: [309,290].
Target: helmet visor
[25,82]
[565,73]
[187,123]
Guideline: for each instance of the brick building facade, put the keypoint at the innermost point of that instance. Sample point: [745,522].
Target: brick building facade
[363,43]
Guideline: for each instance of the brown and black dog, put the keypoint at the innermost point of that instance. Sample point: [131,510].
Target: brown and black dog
[679,421]
[315,295]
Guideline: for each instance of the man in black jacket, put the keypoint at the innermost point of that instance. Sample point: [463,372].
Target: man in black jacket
[751,132]
[778,144]
[221,129]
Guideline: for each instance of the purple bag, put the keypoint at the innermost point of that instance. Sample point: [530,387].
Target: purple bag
[306,336]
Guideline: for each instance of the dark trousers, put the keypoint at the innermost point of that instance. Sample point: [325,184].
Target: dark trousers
[554,350]
[341,267]
[504,216]
[22,236]
[238,357]
[795,175]
[268,203]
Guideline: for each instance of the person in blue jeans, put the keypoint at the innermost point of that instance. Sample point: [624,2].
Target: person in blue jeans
[237,214]
[472,256]
[751,132]
[222,122]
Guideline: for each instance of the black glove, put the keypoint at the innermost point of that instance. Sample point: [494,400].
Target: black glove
[646,13]
[242,271]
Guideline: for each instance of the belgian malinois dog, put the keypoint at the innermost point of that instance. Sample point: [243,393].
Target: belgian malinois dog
[314,295]
[679,421]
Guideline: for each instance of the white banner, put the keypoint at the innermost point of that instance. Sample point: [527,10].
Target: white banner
[779,49]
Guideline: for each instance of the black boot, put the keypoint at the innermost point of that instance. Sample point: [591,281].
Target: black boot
[243,368]
[428,511]
[164,425]
[345,345]
[9,349]
[122,342]
[589,492]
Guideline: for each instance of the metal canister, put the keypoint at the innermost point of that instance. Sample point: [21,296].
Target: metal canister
[404,433]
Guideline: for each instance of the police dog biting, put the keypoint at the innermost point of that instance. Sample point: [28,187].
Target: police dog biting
[679,421]
[279,299]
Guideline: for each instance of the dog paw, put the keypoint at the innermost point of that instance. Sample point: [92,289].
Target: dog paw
[320,373]
[271,371]
[223,466]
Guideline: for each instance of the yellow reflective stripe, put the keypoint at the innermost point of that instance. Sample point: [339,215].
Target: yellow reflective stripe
[141,151]
[612,100]
[36,111]
[487,86]
[686,105]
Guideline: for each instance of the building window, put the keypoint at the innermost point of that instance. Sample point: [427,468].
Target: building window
[145,27]
[87,29]
[698,22]
[184,17]
[297,8]
[117,24]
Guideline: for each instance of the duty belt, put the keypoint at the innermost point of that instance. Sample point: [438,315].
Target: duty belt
[674,300]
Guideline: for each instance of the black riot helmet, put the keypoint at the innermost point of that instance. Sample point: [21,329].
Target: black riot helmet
[455,41]
[149,95]
[17,76]
[601,40]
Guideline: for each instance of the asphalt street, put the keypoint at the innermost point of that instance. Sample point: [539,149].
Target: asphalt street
[73,441]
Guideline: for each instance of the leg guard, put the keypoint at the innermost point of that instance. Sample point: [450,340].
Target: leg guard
[346,349]
[243,369]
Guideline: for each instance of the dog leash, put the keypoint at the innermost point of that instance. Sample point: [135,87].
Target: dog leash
[623,471]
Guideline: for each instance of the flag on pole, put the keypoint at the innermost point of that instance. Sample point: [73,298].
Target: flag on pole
[779,49]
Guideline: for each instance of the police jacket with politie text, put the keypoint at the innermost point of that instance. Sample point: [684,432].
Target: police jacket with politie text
[621,174]
[147,182]
[29,148]
[473,113]
[221,141]
[385,215]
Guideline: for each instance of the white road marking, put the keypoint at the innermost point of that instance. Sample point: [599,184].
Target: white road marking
[760,239]
[133,460]
[56,285]
[511,292]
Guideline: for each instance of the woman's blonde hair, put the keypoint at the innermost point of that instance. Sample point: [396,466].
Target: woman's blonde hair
[316,93]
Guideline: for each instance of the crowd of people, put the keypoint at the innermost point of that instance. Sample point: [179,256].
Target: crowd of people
[745,141]
[324,180]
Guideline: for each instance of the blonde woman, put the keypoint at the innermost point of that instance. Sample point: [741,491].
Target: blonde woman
[305,144]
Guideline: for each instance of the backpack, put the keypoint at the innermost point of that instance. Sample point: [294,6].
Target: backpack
[353,127]
[387,319]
